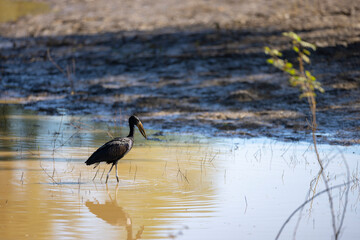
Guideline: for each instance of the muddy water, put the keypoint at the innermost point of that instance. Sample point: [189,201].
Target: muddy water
[172,186]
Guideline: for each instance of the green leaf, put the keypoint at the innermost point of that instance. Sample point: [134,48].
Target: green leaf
[305,82]
[308,74]
[301,79]
[279,63]
[317,86]
[306,52]
[305,58]
[288,65]
[267,50]
[292,35]
[276,52]
[293,82]
[307,45]
[272,52]
[292,72]
[270,61]
[296,49]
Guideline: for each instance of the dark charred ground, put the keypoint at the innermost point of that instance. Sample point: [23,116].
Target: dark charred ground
[190,71]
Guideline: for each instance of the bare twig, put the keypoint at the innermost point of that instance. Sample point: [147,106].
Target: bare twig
[22,178]
[183,175]
[306,202]
[70,71]
[55,64]
[246,205]
[164,172]
[135,172]
[52,178]
[298,221]
[346,198]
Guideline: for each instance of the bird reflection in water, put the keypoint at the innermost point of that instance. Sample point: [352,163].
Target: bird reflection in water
[113,214]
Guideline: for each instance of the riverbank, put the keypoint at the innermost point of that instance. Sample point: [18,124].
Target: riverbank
[195,66]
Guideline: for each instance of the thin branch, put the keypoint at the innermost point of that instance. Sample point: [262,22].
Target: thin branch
[55,64]
[346,198]
[306,202]
[48,174]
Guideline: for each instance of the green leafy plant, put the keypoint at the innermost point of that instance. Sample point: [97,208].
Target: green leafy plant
[298,76]
[301,78]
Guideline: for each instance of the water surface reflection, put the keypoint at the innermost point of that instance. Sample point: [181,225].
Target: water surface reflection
[112,213]
[184,187]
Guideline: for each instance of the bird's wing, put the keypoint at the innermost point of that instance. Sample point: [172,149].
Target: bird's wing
[110,151]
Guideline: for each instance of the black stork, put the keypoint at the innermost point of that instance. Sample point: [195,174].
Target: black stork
[112,151]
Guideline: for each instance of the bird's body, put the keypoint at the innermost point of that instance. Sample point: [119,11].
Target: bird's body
[112,151]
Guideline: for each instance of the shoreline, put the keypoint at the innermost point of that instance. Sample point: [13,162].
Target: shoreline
[193,67]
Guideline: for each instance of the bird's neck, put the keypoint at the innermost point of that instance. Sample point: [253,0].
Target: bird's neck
[131,133]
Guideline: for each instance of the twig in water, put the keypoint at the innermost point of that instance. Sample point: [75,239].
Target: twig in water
[346,197]
[109,132]
[53,173]
[256,154]
[246,205]
[164,172]
[22,176]
[212,159]
[306,202]
[183,175]
[299,219]
[79,182]
[135,172]
[287,149]
[48,174]
[314,191]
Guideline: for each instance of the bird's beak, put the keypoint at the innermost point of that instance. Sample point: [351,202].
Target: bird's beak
[141,129]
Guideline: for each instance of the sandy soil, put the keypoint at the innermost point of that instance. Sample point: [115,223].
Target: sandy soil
[189,66]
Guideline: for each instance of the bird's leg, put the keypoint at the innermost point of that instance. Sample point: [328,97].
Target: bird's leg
[117,177]
[107,176]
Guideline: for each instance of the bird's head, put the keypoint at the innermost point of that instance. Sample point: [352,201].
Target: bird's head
[134,120]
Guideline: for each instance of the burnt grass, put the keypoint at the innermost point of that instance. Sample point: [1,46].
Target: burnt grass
[210,77]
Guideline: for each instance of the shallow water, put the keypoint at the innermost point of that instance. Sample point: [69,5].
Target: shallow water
[172,186]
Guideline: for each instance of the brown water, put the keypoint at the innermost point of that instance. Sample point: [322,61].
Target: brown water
[172,186]
[12,10]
